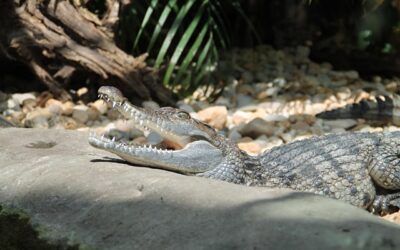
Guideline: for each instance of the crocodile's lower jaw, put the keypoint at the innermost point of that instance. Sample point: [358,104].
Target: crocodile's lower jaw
[106,143]
[199,155]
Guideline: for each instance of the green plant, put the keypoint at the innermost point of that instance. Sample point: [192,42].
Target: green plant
[184,38]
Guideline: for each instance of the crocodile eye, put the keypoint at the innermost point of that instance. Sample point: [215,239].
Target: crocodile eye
[183,115]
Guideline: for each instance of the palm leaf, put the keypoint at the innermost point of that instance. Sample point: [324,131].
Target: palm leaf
[160,23]
[189,35]
[182,43]
[146,19]
[172,32]
[191,55]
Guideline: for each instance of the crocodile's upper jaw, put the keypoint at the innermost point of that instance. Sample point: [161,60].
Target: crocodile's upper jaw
[190,137]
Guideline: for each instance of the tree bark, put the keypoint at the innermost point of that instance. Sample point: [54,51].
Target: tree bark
[60,39]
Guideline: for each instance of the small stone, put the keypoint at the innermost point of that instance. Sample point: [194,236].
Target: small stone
[257,127]
[273,91]
[37,118]
[250,147]
[118,135]
[29,105]
[200,105]
[186,107]
[20,98]
[273,117]
[343,93]
[113,114]
[70,123]
[93,113]
[246,89]
[128,126]
[234,135]
[67,108]
[150,105]
[215,116]
[81,113]
[351,74]
[140,140]
[154,138]
[82,91]
[54,106]
[301,126]
[244,100]
[317,108]
[42,98]
[395,217]
[240,117]
[391,86]
[17,117]
[361,95]
[287,137]
[223,101]
[101,106]
[309,119]
[273,141]
[13,104]
[245,139]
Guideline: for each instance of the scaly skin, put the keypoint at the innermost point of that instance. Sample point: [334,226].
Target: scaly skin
[360,168]
[385,109]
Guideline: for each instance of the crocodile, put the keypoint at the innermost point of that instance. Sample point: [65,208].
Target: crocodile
[381,109]
[362,169]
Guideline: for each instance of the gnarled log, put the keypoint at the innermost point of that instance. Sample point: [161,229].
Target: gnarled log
[58,39]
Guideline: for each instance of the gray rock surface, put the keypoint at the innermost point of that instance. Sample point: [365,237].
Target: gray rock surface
[78,194]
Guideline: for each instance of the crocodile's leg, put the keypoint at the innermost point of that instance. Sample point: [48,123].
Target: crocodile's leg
[384,169]
[382,203]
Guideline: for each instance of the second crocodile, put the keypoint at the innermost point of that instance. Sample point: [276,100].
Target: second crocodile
[360,168]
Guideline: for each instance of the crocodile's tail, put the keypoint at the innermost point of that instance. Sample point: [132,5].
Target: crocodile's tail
[382,109]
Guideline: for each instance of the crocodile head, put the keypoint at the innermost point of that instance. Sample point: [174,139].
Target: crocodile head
[192,146]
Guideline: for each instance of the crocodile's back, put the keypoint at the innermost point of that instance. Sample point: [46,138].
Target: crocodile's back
[333,165]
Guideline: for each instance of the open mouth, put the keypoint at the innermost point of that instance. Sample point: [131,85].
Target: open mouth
[146,121]
[186,143]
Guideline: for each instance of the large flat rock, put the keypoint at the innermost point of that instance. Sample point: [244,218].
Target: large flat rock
[78,194]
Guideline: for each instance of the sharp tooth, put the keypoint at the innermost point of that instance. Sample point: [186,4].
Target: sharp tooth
[102,137]
[113,139]
[141,122]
